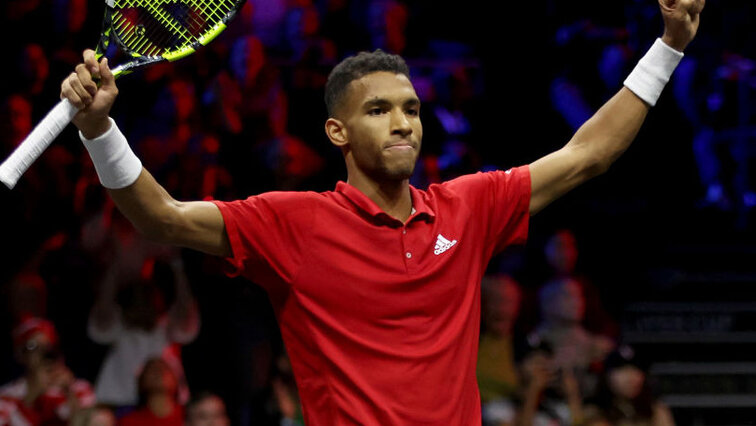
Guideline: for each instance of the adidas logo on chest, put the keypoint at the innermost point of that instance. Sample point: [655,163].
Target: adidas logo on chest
[443,244]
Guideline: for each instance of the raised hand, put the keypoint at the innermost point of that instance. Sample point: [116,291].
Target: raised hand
[93,102]
[681,19]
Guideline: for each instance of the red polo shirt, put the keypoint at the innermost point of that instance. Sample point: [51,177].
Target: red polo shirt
[380,318]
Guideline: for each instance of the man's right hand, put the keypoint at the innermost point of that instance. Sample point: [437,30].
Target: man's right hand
[93,103]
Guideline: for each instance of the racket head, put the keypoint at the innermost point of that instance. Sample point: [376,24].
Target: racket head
[150,31]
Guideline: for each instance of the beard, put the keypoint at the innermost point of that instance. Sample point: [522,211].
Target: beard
[396,170]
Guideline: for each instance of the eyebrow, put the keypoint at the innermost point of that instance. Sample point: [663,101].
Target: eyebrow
[382,102]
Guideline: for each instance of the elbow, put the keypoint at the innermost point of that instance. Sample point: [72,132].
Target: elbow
[598,161]
[163,228]
[598,167]
[595,159]
[593,164]
[156,232]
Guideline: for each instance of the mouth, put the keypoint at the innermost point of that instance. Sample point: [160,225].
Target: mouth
[403,145]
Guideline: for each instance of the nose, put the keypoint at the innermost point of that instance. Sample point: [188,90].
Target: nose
[400,125]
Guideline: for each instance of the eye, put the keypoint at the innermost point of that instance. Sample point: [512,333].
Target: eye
[375,111]
[413,112]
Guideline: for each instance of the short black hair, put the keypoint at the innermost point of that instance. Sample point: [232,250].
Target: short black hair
[357,66]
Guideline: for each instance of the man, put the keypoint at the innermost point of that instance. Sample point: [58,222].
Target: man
[376,285]
[48,393]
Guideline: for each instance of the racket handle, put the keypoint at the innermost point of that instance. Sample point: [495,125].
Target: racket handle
[35,144]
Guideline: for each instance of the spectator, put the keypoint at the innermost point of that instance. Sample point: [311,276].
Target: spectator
[206,409]
[285,394]
[550,394]
[158,397]
[387,23]
[497,373]
[48,394]
[624,396]
[99,415]
[16,121]
[562,307]
[35,69]
[139,328]
[562,254]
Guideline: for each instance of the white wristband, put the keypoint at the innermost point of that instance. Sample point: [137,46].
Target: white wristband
[115,162]
[653,72]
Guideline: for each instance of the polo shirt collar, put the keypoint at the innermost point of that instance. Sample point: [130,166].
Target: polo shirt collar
[361,201]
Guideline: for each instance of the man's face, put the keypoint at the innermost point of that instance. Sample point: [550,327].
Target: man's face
[381,114]
[209,412]
[37,351]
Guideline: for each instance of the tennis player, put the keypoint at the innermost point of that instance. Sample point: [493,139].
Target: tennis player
[376,285]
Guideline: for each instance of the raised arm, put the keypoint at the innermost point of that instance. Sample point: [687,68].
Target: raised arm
[183,316]
[197,225]
[606,135]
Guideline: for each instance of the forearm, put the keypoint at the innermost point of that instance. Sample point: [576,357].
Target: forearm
[611,130]
[183,313]
[575,404]
[148,206]
[194,224]
[198,225]
[105,310]
[605,136]
[529,407]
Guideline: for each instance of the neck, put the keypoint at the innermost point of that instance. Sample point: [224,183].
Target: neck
[161,404]
[393,197]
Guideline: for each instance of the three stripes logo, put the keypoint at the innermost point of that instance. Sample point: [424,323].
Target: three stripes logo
[443,244]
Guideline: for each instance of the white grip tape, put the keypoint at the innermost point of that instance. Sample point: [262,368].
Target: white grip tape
[653,72]
[116,164]
[35,144]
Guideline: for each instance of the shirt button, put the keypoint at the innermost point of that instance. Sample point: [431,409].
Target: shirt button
[404,231]
[409,255]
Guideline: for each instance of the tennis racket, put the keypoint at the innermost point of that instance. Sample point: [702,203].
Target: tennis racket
[146,32]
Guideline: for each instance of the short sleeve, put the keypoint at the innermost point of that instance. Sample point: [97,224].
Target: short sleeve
[268,235]
[501,200]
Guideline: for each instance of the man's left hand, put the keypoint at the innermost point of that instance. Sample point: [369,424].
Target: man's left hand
[681,19]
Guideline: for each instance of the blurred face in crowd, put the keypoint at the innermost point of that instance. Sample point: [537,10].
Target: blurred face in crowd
[38,351]
[35,66]
[182,92]
[157,377]
[562,301]
[379,126]
[77,15]
[211,411]
[247,60]
[503,298]
[561,252]
[626,381]
[20,114]
[387,25]
[102,417]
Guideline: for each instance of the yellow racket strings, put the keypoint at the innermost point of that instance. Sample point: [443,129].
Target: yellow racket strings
[154,28]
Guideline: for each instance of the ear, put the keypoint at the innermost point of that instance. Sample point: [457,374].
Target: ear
[337,132]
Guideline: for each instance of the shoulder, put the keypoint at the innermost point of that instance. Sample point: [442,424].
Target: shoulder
[484,185]
[483,179]
[279,200]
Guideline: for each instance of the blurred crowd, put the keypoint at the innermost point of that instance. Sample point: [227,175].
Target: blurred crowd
[109,329]
[552,355]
